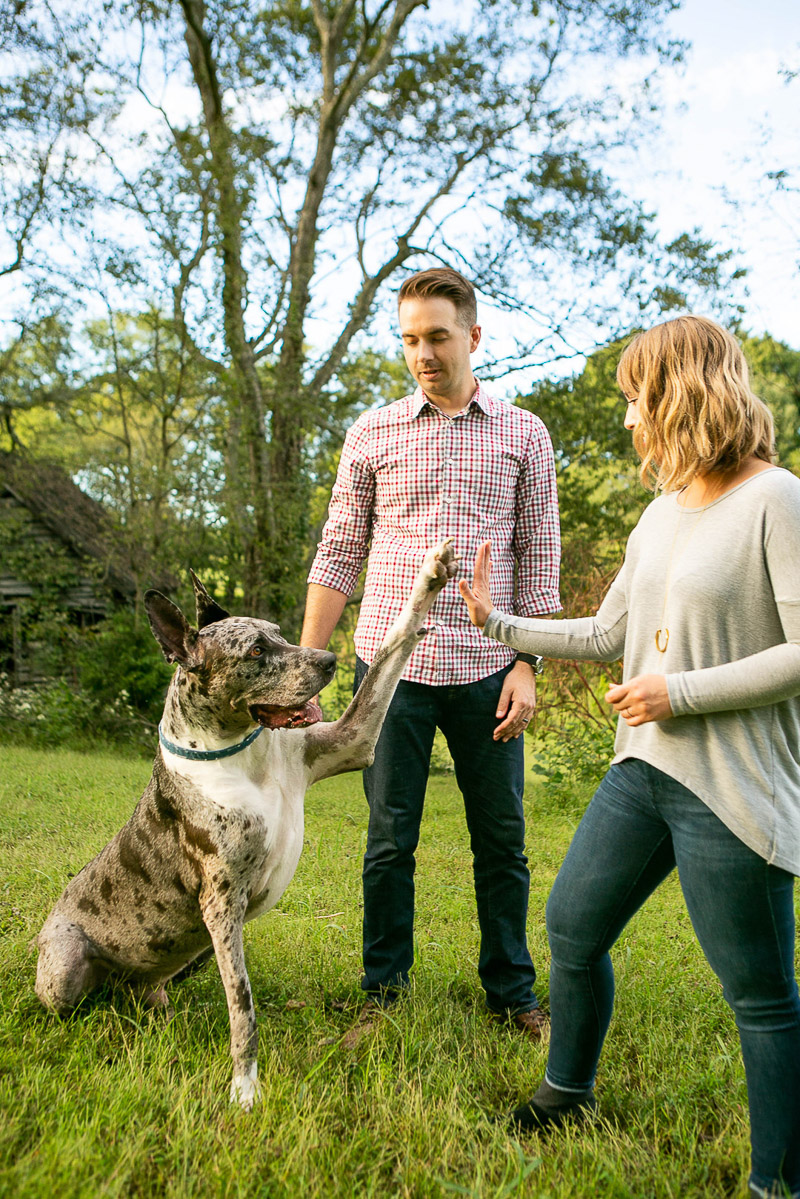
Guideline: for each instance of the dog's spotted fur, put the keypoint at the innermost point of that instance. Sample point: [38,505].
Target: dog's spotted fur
[212,844]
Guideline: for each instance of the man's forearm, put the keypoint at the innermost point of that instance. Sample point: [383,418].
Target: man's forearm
[324,606]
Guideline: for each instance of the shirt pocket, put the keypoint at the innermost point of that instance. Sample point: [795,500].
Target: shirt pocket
[489,485]
[408,489]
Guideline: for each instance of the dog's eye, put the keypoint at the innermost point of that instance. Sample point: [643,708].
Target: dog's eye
[257,651]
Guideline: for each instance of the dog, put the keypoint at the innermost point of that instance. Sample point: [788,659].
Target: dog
[216,837]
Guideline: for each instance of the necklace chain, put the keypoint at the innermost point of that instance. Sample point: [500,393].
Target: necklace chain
[662,633]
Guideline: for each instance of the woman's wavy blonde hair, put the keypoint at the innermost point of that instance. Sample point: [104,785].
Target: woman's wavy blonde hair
[697,414]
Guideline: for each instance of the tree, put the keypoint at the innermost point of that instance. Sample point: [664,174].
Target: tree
[600,496]
[600,500]
[140,427]
[262,172]
[775,377]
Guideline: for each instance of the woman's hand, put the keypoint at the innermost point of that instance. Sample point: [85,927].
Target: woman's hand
[641,699]
[478,598]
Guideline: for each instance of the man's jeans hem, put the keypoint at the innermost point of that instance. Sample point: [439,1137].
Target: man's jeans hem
[515,1009]
[768,1189]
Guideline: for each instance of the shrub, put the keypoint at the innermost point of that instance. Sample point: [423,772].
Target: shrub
[58,714]
[121,657]
[573,761]
[113,692]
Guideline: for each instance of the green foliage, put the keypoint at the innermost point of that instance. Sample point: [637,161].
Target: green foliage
[600,496]
[45,562]
[120,657]
[110,686]
[43,621]
[775,377]
[572,761]
[59,713]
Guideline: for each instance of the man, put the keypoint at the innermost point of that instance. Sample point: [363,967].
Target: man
[447,461]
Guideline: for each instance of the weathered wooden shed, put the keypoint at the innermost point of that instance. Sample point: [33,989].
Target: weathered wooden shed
[43,513]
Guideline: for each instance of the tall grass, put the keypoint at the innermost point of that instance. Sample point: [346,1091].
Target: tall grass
[114,1101]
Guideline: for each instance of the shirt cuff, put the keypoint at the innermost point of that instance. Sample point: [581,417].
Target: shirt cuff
[675,694]
[491,622]
[340,576]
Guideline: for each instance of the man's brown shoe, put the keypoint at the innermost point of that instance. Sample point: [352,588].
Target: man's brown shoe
[533,1023]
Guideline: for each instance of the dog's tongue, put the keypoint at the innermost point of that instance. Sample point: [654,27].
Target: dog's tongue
[273,717]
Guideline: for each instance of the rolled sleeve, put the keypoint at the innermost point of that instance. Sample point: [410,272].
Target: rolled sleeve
[345,537]
[537,536]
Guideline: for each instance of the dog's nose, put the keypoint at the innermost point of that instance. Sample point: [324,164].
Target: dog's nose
[327,661]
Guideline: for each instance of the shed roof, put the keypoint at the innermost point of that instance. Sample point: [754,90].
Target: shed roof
[82,523]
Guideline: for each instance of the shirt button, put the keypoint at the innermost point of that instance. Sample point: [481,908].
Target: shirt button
[447,499]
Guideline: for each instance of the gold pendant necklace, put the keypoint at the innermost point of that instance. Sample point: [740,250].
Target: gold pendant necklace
[662,634]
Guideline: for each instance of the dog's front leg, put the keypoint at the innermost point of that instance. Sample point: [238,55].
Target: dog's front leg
[225,923]
[349,743]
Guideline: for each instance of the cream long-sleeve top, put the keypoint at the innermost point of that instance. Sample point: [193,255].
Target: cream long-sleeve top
[725,580]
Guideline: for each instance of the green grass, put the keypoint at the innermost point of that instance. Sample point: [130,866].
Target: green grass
[116,1102]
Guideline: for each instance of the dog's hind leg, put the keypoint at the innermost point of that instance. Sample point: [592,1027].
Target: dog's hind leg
[68,967]
[155,997]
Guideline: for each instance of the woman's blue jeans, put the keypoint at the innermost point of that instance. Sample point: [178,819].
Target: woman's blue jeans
[640,824]
[490,775]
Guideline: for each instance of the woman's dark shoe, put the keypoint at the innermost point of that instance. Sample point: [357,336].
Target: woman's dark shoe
[551,1108]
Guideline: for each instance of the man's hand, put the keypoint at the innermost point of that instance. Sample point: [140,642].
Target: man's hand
[517,701]
[478,598]
[641,699]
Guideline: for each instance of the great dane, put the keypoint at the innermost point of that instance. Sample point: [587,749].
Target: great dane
[216,837]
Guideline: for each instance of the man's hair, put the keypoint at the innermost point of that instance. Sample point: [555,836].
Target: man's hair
[443,281]
[696,411]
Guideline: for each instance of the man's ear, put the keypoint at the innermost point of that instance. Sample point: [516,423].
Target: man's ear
[172,631]
[208,610]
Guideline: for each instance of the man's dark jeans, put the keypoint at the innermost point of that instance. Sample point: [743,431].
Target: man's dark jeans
[640,824]
[490,775]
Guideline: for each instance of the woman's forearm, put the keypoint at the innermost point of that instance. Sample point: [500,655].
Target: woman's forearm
[763,678]
[600,639]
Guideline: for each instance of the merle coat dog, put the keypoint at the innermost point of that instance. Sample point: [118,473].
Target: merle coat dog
[215,838]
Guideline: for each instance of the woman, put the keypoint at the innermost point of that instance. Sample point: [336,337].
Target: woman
[706,772]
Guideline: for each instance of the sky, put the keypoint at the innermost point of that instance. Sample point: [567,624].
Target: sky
[728,118]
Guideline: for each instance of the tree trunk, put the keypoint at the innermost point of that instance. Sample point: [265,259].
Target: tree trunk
[250,502]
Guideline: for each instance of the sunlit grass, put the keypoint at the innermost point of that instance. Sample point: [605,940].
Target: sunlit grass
[114,1101]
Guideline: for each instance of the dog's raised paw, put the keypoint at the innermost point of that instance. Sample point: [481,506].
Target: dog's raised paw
[440,565]
[448,558]
[246,1089]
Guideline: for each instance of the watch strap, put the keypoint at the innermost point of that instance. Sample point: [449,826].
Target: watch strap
[533,660]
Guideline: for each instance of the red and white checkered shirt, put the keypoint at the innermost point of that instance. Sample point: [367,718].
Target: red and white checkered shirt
[409,476]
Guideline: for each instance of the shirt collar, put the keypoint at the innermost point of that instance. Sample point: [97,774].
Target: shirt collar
[480,397]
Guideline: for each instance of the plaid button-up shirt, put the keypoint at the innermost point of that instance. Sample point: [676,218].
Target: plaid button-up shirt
[409,476]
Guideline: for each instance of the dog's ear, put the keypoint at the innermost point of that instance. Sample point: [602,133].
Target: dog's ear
[172,631]
[208,610]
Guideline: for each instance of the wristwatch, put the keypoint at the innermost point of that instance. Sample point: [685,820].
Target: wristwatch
[533,660]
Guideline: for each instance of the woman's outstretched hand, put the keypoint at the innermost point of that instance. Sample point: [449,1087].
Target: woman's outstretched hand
[478,598]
